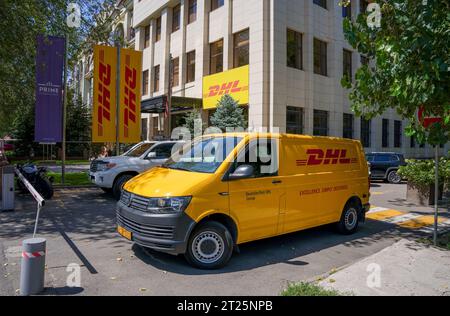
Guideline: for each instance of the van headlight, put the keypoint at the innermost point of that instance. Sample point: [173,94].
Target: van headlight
[172,205]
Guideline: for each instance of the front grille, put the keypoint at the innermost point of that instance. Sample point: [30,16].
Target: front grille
[149,231]
[94,166]
[136,202]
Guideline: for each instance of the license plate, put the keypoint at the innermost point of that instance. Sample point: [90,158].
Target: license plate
[124,233]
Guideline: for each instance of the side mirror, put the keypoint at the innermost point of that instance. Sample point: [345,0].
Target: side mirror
[151,155]
[242,172]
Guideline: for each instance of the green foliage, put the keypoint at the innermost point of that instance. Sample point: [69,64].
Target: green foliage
[78,127]
[411,58]
[308,289]
[193,122]
[228,114]
[422,172]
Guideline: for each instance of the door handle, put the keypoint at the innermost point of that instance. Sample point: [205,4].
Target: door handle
[224,194]
[277,181]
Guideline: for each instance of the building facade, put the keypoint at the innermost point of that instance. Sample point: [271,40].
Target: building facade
[296,54]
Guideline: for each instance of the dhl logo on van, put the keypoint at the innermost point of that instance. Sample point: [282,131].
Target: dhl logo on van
[225,88]
[318,157]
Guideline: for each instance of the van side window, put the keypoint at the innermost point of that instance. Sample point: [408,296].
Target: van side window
[262,154]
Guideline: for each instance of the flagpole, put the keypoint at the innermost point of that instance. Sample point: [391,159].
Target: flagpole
[169,97]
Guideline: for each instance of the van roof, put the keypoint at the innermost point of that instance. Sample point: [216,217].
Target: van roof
[280,135]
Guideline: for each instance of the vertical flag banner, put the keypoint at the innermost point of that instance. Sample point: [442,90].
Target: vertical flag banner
[130,96]
[49,85]
[104,107]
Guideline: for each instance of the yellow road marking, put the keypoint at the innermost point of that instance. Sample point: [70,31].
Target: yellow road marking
[419,222]
[376,193]
[379,216]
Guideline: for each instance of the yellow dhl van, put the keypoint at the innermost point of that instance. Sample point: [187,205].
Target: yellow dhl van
[228,189]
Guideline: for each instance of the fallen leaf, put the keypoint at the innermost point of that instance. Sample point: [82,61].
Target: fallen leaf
[142,289]
[119,259]
[332,280]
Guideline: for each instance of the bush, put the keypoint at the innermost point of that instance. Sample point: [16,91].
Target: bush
[422,172]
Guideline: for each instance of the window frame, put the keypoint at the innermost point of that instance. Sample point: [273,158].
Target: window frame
[190,67]
[300,113]
[298,50]
[347,129]
[156,78]
[318,130]
[215,56]
[217,4]
[320,52]
[192,11]
[145,82]
[347,64]
[158,29]
[176,18]
[239,47]
[366,142]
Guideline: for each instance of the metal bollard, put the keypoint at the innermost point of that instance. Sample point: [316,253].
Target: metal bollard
[32,272]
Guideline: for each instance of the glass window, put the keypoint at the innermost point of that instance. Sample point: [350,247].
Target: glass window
[215,4]
[320,123]
[190,70]
[382,158]
[163,151]
[385,133]
[204,155]
[262,155]
[145,83]
[347,64]
[294,49]
[348,126]
[320,57]
[294,120]
[216,57]
[175,72]
[192,11]
[366,132]
[241,48]
[147,36]
[176,18]
[398,134]
[138,150]
[158,30]
[156,79]
[321,3]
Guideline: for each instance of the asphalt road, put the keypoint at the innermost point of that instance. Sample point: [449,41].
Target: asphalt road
[79,226]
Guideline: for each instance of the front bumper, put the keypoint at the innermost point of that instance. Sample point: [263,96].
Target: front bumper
[102,179]
[165,233]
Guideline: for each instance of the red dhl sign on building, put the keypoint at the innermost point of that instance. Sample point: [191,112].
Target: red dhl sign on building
[107,120]
[130,91]
[234,82]
[318,157]
[104,101]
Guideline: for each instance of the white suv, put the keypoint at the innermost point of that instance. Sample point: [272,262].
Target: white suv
[111,173]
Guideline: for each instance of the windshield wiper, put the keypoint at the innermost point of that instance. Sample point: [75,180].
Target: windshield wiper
[180,168]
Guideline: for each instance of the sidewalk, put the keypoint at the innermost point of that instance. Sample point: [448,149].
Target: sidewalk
[406,268]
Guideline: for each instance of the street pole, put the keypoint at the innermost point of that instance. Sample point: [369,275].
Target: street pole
[169,97]
[436,196]
[117,99]
[63,154]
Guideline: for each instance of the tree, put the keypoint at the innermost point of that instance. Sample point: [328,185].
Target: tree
[228,114]
[194,122]
[410,64]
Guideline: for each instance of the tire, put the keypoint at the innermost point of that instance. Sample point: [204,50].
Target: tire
[107,190]
[393,177]
[119,183]
[219,252]
[349,221]
[45,188]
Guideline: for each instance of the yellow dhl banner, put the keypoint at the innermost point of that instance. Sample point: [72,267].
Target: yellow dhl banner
[234,82]
[104,99]
[130,95]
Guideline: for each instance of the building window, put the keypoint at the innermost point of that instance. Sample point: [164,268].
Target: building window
[412,142]
[192,11]
[320,123]
[347,10]
[294,49]
[216,57]
[321,3]
[241,48]
[320,57]
[348,126]
[397,134]
[156,79]
[145,83]
[363,6]
[175,72]
[347,64]
[294,120]
[158,29]
[147,36]
[190,69]
[176,19]
[385,133]
[215,4]
[366,133]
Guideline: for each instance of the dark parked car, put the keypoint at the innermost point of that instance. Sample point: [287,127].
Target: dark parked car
[384,166]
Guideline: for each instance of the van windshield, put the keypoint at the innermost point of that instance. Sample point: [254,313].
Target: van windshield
[204,155]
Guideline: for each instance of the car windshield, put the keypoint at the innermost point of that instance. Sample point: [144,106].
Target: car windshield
[204,155]
[138,150]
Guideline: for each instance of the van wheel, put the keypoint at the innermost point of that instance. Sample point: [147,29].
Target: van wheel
[349,219]
[210,246]
[119,183]
[394,177]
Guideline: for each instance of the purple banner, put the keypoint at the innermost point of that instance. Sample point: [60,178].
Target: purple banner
[49,89]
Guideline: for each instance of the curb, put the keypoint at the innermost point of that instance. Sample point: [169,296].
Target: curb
[68,187]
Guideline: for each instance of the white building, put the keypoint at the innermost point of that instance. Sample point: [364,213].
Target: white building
[296,52]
